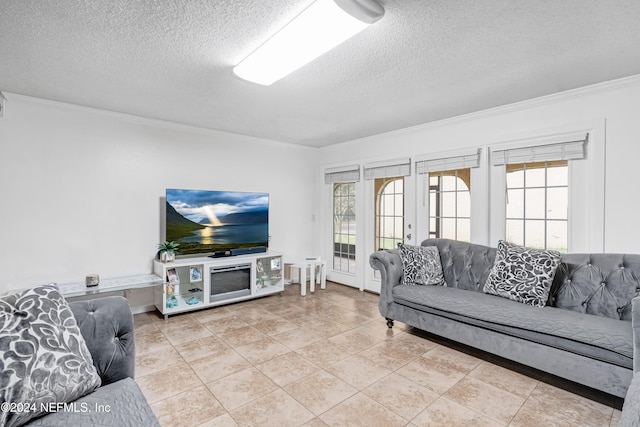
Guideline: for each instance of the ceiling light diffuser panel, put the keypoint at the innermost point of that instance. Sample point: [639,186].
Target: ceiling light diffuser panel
[318,29]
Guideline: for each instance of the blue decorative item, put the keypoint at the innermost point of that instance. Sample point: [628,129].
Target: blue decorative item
[172,302]
[193,300]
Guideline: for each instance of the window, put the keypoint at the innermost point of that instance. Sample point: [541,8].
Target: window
[344,227]
[537,204]
[535,175]
[446,193]
[389,212]
[450,204]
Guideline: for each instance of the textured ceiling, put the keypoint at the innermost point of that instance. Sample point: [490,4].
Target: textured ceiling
[425,60]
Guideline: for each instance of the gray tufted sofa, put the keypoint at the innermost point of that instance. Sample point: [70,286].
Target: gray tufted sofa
[106,325]
[584,334]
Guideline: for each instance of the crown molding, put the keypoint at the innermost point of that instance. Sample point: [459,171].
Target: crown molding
[166,124]
[510,108]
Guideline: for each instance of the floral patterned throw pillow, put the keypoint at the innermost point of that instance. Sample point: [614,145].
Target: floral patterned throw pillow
[421,265]
[522,274]
[44,360]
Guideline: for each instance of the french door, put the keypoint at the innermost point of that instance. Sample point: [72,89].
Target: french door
[390,215]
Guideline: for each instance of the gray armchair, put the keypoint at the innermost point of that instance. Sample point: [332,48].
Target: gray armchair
[107,327]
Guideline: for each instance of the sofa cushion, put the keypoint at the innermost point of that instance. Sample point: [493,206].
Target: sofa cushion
[597,337]
[421,265]
[522,274]
[119,404]
[465,265]
[43,357]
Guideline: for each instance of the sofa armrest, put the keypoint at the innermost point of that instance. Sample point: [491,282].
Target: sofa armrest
[635,324]
[389,264]
[630,416]
[107,327]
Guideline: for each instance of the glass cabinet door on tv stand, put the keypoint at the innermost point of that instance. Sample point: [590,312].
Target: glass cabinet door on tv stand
[269,274]
[183,288]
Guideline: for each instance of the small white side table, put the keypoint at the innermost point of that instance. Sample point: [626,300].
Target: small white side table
[317,271]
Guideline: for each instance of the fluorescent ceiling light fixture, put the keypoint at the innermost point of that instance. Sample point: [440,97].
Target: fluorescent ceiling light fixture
[318,29]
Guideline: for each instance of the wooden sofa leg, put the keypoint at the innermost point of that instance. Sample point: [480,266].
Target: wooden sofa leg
[389,323]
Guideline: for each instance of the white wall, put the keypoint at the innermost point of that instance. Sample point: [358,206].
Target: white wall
[616,104]
[81,189]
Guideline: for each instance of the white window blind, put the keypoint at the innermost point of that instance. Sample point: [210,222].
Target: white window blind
[387,169]
[342,174]
[571,149]
[444,163]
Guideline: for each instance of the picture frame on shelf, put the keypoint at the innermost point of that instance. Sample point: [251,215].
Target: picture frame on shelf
[172,276]
[195,272]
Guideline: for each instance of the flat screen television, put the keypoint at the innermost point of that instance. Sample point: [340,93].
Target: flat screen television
[214,222]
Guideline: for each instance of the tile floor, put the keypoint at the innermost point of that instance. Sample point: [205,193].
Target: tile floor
[328,359]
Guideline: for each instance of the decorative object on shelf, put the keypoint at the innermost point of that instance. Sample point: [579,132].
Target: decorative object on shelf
[167,251]
[172,302]
[195,273]
[193,300]
[170,289]
[172,276]
[92,280]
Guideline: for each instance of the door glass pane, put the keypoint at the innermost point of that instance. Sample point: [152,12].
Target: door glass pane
[449,203]
[388,226]
[399,206]
[398,226]
[449,183]
[464,204]
[449,228]
[344,227]
[432,203]
[387,204]
[389,212]
[464,229]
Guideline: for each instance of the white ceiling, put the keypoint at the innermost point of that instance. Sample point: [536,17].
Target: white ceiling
[425,60]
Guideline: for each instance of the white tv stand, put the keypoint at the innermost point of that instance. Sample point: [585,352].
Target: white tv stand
[188,282]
